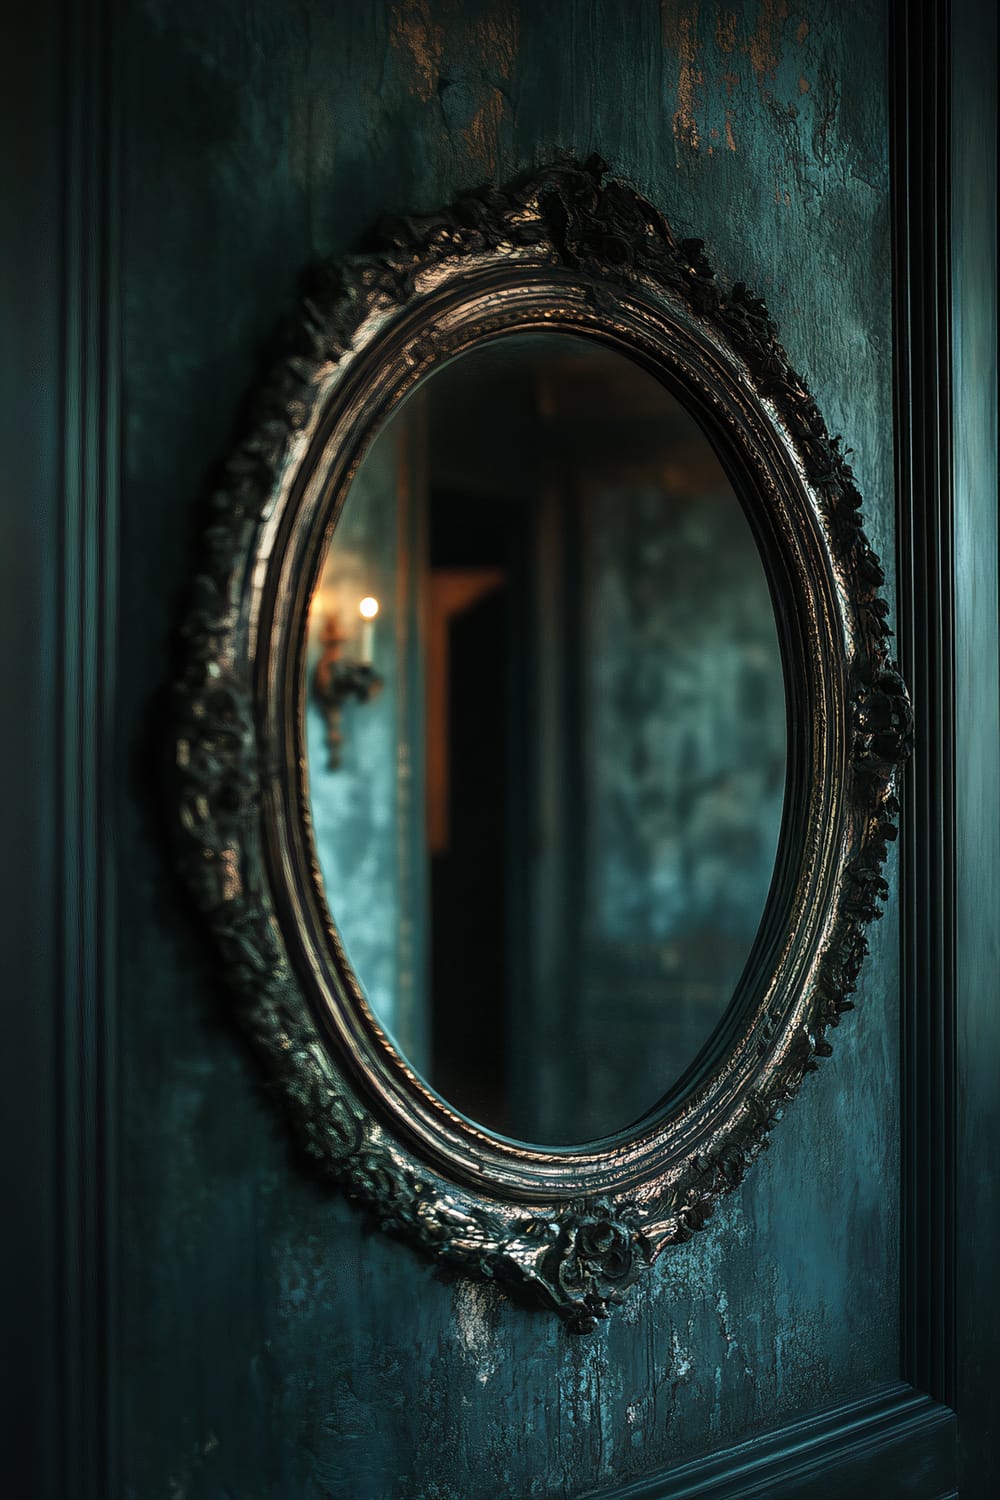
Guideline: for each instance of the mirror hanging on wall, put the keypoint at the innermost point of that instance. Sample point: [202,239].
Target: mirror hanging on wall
[546,736]
[511,642]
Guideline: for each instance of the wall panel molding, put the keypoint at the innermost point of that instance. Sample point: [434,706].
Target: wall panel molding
[944,118]
[30,174]
[895,1442]
[977,725]
[921,175]
[87,734]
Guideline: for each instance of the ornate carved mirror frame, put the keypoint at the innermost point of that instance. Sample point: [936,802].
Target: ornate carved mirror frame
[570,252]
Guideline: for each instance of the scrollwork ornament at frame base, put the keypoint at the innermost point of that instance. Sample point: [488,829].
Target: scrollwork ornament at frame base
[586,242]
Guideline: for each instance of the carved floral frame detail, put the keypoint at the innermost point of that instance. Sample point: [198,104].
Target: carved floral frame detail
[569,251]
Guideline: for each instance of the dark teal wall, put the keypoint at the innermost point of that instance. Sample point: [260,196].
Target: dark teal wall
[271,1347]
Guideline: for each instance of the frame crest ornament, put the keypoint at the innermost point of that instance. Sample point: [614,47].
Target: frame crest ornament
[573,251]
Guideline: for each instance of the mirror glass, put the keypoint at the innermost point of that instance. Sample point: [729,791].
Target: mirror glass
[546,736]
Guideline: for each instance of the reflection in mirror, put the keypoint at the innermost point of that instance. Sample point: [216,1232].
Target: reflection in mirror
[546,736]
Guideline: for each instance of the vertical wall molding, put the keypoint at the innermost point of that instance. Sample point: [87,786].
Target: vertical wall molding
[30,413]
[920,145]
[87,791]
[57,608]
[977,722]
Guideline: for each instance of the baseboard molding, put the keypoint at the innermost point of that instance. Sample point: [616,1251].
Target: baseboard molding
[896,1442]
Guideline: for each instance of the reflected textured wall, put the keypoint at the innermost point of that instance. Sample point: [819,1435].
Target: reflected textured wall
[685,758]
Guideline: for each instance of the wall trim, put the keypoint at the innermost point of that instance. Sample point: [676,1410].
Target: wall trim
[896,1442]
[85,1001]
[30,421]
[977,737]
[920,105]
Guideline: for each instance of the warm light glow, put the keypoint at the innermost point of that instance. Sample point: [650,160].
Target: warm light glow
[368,608]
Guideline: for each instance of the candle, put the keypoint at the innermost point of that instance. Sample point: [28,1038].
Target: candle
[368,609]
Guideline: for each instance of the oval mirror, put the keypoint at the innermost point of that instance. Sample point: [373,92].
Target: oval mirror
[484,741]
[546,736]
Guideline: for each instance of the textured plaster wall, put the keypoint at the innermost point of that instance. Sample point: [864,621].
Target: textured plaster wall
[273,1347]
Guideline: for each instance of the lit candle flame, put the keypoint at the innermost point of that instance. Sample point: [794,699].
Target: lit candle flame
[368,609]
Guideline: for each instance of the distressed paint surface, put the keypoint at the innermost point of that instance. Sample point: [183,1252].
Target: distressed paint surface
[273,1347]
[684,728]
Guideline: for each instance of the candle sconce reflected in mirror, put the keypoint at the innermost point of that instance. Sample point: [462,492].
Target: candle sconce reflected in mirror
[336,680]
